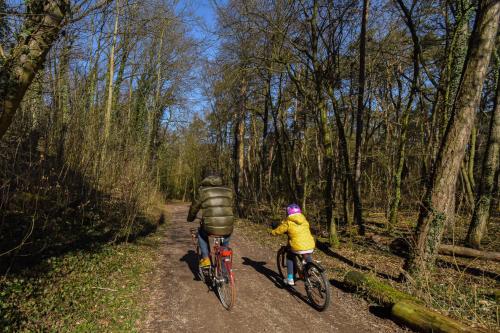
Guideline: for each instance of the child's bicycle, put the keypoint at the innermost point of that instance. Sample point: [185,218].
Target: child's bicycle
[312,273]
[219,275]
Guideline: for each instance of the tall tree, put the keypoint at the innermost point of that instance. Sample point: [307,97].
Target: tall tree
[111,78]
[239,148]
[358,207]
[439,201]
[481,213]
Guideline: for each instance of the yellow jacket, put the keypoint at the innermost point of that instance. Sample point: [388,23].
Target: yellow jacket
[299,235]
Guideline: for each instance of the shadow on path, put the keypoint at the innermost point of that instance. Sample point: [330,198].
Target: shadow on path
[191,259]
[260,266]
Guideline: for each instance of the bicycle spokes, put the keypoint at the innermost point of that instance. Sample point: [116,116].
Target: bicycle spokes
[225,283]
[315,281]
[317,287]
[219,275]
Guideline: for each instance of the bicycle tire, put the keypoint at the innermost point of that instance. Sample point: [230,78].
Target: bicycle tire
[317,286]
[281,261]
[225,289]
[201,275]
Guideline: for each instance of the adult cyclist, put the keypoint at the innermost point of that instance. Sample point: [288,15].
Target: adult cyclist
[215,204]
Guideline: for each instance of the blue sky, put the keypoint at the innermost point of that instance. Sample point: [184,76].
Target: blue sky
[202,30]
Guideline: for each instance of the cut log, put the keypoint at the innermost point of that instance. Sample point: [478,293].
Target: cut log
[375,290]
[460,251]
[401,246]
[425,320]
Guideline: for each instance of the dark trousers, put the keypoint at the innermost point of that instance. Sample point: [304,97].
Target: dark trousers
[289,261]
[203,242]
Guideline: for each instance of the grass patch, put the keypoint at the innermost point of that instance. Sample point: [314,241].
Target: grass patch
[81,291]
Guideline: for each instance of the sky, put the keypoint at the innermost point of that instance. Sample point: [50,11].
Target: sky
[202,30]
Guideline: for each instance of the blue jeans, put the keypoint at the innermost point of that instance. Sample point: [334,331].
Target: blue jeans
[203,242]
[289,261]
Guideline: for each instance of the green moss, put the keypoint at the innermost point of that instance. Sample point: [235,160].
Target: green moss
[375,289]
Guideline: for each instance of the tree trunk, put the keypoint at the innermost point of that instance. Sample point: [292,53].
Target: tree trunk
[328,168]
[456,53]
[111,71]
[472,155]
[157,106]
[438,203]
[62,94]
[456,61]
[481,213]
[467,186]
[396,194]
[239,151]
[41,28]
[358,207]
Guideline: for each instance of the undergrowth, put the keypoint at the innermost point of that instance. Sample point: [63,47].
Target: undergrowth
[76,227]
[81,291]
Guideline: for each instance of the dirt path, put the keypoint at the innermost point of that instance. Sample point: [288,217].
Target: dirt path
[178,303]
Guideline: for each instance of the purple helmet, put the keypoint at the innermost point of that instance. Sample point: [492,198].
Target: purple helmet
[293,209]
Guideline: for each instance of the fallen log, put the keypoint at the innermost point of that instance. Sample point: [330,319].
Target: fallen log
[460,251]
[401,247]
[375,290]
[404,308]
[425,320]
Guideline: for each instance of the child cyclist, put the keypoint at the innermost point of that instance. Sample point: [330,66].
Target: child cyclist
[300,240]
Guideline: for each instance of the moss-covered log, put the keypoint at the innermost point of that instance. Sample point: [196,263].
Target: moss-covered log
[405,308]
[422,319]
[375,290]
[467,252]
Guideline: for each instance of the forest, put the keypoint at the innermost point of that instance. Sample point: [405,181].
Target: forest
[380,118]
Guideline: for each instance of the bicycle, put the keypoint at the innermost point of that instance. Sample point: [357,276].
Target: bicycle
[219,275]
[312,273]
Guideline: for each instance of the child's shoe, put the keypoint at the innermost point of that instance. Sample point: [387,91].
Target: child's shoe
[289,280]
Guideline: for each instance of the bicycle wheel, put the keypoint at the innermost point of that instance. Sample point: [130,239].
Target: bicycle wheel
[317,286]
[194,236]
[224,282]
[202,272]
[281,261]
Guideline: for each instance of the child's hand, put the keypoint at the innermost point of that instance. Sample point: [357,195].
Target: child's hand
[270,231]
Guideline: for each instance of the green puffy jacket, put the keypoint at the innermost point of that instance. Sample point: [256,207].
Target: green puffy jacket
[216,204]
